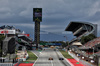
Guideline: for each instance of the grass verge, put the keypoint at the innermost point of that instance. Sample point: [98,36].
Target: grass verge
[31,56]
[66,55]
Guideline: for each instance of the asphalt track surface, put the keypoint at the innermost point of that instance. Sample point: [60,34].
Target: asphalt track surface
[46,54]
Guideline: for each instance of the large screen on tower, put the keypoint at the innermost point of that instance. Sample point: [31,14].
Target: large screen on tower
[37,14]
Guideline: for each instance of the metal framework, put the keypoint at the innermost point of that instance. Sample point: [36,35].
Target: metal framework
[37,33]
[80,29]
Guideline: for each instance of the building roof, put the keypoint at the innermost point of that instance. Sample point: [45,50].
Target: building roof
[80,29]
[72,26]
[25,38]
[76,43]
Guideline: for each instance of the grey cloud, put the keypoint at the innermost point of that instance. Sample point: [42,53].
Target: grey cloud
[51,9]
[55,12]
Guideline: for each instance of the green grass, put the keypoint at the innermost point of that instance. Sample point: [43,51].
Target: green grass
[31,56]
[66,55]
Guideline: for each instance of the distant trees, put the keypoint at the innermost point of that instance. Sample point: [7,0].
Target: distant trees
[1,39]
[64,44]
[85,39]
[43,42]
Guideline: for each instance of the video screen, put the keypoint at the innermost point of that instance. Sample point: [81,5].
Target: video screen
[38,14]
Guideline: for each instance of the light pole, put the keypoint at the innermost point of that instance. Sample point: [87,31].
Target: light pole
[93,51]
[67,41]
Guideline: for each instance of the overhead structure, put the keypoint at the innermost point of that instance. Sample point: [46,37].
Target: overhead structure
[24,40]
[0,49]
[80,29]
[37,18]
[8,45]
[76,43]
[12,38]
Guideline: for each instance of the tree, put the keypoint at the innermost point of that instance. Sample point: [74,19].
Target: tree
[85,39]
[1,39]
[64,44]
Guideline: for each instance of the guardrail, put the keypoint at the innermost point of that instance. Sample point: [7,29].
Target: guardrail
[80,60]
[6,64]
[20,61]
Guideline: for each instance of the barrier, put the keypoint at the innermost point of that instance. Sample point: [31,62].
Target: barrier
[80,60]
[6,64]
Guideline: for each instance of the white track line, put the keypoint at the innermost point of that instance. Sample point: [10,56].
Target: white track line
[37,59]
[34,53]
[51,62]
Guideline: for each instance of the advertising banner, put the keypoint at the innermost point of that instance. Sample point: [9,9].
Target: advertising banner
[7,31]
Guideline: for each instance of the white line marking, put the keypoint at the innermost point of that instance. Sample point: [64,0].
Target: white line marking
[40,52]
[51,62]
[37,58]
[34,53]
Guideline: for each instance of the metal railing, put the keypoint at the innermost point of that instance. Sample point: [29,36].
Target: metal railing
[6,64]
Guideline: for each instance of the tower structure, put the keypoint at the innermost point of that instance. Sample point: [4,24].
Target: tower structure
[37,18]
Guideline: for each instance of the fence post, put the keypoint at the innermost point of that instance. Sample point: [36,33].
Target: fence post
[98,60]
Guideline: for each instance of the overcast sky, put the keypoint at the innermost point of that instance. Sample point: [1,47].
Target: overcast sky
[57,14]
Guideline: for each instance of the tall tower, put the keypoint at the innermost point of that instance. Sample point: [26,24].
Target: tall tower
[37,18]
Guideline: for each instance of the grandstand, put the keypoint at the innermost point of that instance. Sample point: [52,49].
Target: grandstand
[89,50]
[25,41]
[93,42]
[80,29]
[12,36]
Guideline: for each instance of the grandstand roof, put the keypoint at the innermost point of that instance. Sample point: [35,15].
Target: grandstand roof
[80,29]
[72,26]
[25,38]
[7,27]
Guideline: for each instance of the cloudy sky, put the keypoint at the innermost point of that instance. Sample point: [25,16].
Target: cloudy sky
[57,14]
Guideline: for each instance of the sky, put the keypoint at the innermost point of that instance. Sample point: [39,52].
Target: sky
[57,14]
